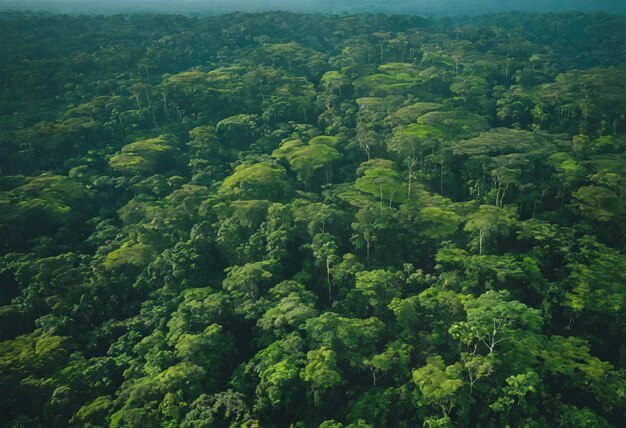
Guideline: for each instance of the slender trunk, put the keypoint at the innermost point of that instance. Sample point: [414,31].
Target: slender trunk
[138,102]
[330,296]
[411,165]
[167,115]
[441,179]
[502,195]
[497,195]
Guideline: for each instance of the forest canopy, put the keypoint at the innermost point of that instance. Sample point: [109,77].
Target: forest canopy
[290,220]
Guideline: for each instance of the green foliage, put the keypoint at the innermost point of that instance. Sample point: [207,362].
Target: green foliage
[491,320]
[245,285]
[378,287]
[306,160]
[349,337]
[134,255]
[518,386]
[239,130]
[144,156]
[487,222]
[321,372]
[438,383]
[292,306]
[263,180]
[455,124]
[596,280]
[226,408]
[381,180]
[393,79]
[409,114]
[438,224]
[287,220]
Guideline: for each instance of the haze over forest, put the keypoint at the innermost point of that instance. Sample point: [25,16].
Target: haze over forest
[421,7]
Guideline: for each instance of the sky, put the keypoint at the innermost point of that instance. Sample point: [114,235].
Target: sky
[419,7]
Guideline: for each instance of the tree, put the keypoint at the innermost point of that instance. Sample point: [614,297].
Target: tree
[518,386]
[437,224]
[381,180]
[410,142]
[210,349]
[246,284]
[476,367]
[335,81]
[305,160]
[225,408]
[263,180]
[595,274]
[278,369]
[370,224]
[395,358]
[348,337]
[237,130]
[455,124]
[291,306]
[489,221]
[438,384]
[491,320]
[325,252]
[379,287]
[322,373]
[145,156]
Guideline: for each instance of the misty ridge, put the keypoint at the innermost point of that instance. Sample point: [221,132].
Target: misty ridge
[417,7]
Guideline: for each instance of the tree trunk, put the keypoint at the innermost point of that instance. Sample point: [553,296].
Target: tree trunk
[167,115]
[441,179]
[330,296]
[411,166]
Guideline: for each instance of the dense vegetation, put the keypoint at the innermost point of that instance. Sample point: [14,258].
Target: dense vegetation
[288,220]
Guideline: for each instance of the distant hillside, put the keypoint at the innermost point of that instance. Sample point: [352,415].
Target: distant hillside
[422,7]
